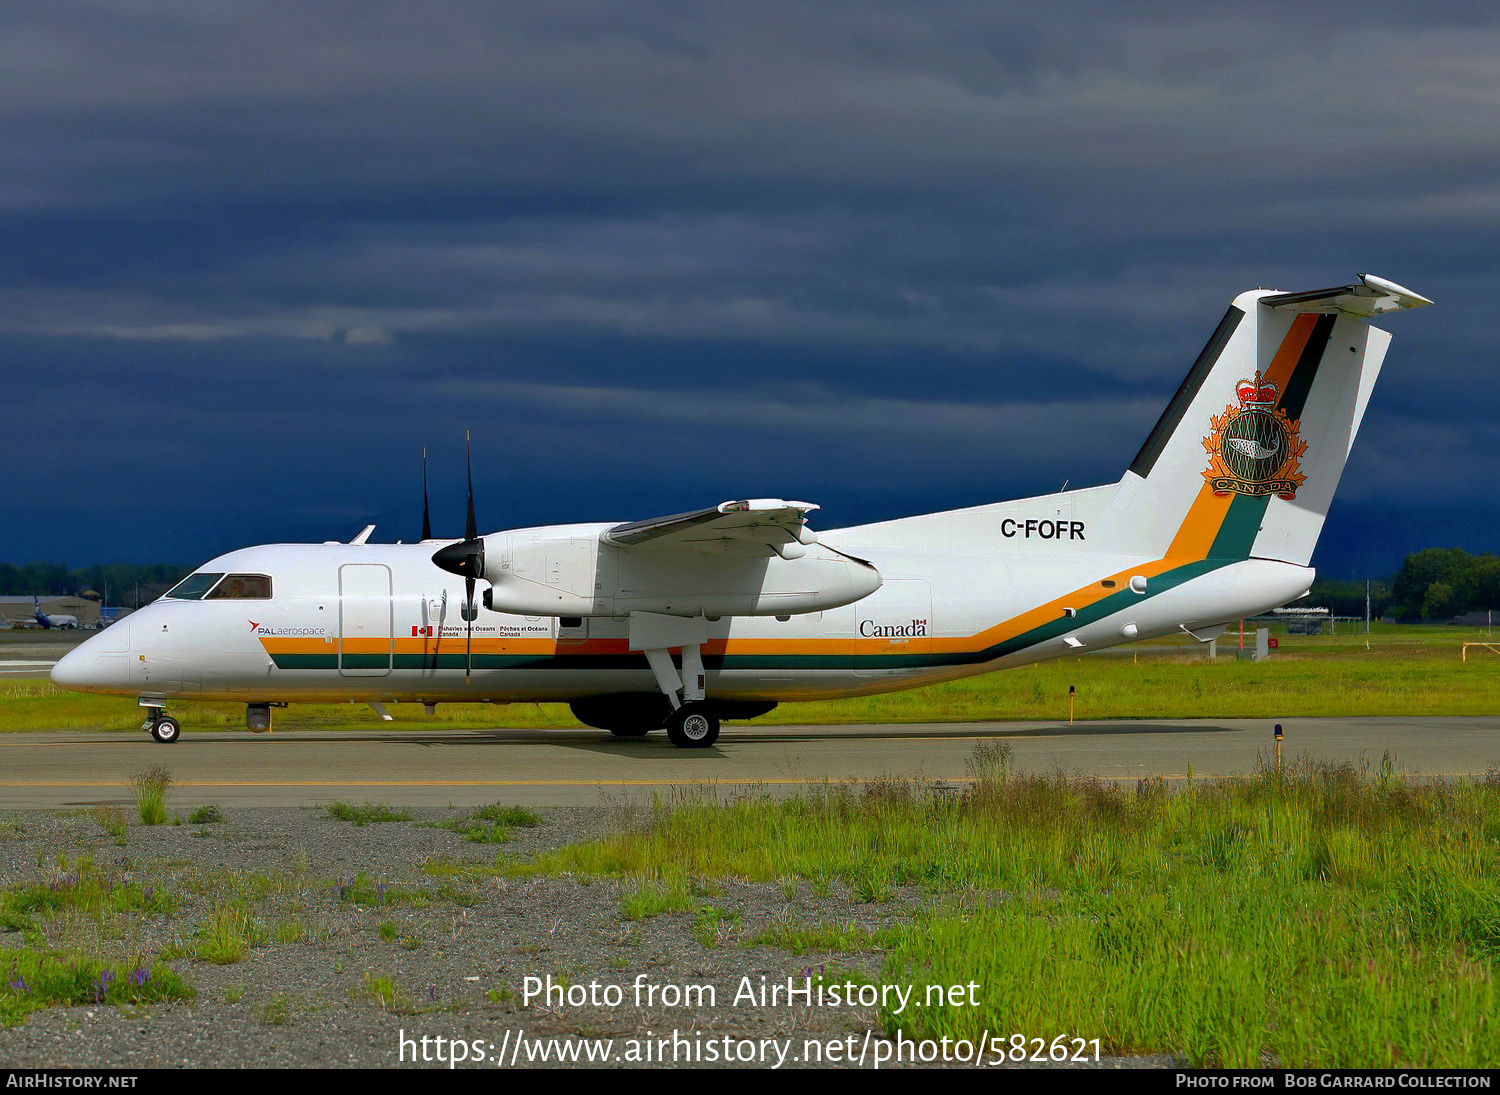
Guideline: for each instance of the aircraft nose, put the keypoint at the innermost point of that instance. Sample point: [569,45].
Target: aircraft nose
[95,666]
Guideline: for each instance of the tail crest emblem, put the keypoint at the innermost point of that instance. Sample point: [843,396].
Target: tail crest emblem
[1254,448]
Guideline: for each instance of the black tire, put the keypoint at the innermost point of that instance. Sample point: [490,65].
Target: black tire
[166,730]
[693,726]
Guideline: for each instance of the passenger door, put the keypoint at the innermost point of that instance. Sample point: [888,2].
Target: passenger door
[364,620]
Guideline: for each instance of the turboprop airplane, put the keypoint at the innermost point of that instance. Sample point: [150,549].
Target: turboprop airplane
[1214,520]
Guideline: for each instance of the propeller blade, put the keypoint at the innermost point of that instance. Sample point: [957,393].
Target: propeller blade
[465,558]
[469,637]
[471,529]
[426,519]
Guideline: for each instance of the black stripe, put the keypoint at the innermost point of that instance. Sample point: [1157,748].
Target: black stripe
[1145,460]
[1301,380]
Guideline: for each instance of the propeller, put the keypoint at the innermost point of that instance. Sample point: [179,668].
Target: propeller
[466,559]
[426,520]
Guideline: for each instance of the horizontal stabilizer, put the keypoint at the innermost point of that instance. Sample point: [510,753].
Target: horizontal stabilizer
[1371,297]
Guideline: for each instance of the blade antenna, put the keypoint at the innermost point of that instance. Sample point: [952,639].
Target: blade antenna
[426,518]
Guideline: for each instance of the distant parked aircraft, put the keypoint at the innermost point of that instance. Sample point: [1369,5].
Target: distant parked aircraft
[55,619]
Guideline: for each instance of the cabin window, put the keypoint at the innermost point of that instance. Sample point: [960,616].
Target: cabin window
[242,587]
[193,587]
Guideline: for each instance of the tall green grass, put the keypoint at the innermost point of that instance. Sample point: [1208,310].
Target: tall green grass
[1324,916]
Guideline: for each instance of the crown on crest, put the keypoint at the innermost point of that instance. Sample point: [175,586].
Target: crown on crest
[1255,393]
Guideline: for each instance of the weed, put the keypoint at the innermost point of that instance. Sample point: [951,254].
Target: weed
[844,938]
[112,821]
[231,929]
[712,926]
[84,890]
[206,815]
[384,992]
[150,790]
[388,931]
[42,979]
[871,885]
[989,762]
[491,824]
[295,930]
[369,813]
[233,994]
[277,1011]
[652,898]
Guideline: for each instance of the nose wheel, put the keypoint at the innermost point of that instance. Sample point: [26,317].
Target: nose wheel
[164,728]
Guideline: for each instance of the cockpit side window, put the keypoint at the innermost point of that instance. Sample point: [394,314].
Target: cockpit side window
[193,587]
[242,587]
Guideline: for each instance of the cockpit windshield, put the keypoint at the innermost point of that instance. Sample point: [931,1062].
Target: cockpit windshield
[242,587]
[193,587]
[213,587]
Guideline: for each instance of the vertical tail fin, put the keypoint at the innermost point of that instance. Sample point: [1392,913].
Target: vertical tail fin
[1245,459]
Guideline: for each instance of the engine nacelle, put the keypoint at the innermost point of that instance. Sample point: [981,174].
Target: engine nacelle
[566,570]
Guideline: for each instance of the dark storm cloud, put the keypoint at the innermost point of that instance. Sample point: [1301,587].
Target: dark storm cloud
[894,254]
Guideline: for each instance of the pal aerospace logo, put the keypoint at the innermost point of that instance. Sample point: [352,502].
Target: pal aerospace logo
[1254,448]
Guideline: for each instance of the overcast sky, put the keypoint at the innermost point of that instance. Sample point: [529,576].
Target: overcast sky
[882,257]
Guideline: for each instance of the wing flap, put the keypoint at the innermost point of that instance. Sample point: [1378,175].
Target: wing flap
[754,526]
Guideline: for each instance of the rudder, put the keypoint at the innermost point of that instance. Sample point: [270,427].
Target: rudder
[1245,460]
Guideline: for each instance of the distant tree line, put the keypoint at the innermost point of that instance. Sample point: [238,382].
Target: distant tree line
[1439,583]
[117,579]
[1348,598]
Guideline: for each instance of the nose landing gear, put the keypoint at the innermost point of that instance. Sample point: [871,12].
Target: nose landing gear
[161,726]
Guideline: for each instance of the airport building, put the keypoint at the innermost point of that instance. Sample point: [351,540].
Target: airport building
[22,611]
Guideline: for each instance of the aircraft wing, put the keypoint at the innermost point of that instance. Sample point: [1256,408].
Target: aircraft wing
[1371,297]
[751,527]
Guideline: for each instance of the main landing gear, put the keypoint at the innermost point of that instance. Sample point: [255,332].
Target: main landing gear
[693,723]
[693,726]
[161,726]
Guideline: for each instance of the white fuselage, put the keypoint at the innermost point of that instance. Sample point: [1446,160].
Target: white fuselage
[966,593]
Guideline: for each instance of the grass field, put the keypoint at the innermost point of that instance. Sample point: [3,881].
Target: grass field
[1324,917]
[1406,670]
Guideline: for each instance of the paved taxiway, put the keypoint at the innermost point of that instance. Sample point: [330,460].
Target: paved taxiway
[413,766]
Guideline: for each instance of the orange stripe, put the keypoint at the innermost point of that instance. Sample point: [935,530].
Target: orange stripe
[1196,533]
[1290,352]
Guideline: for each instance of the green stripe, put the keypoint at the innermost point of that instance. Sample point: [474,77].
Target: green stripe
[1053,629]
[1240,527]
